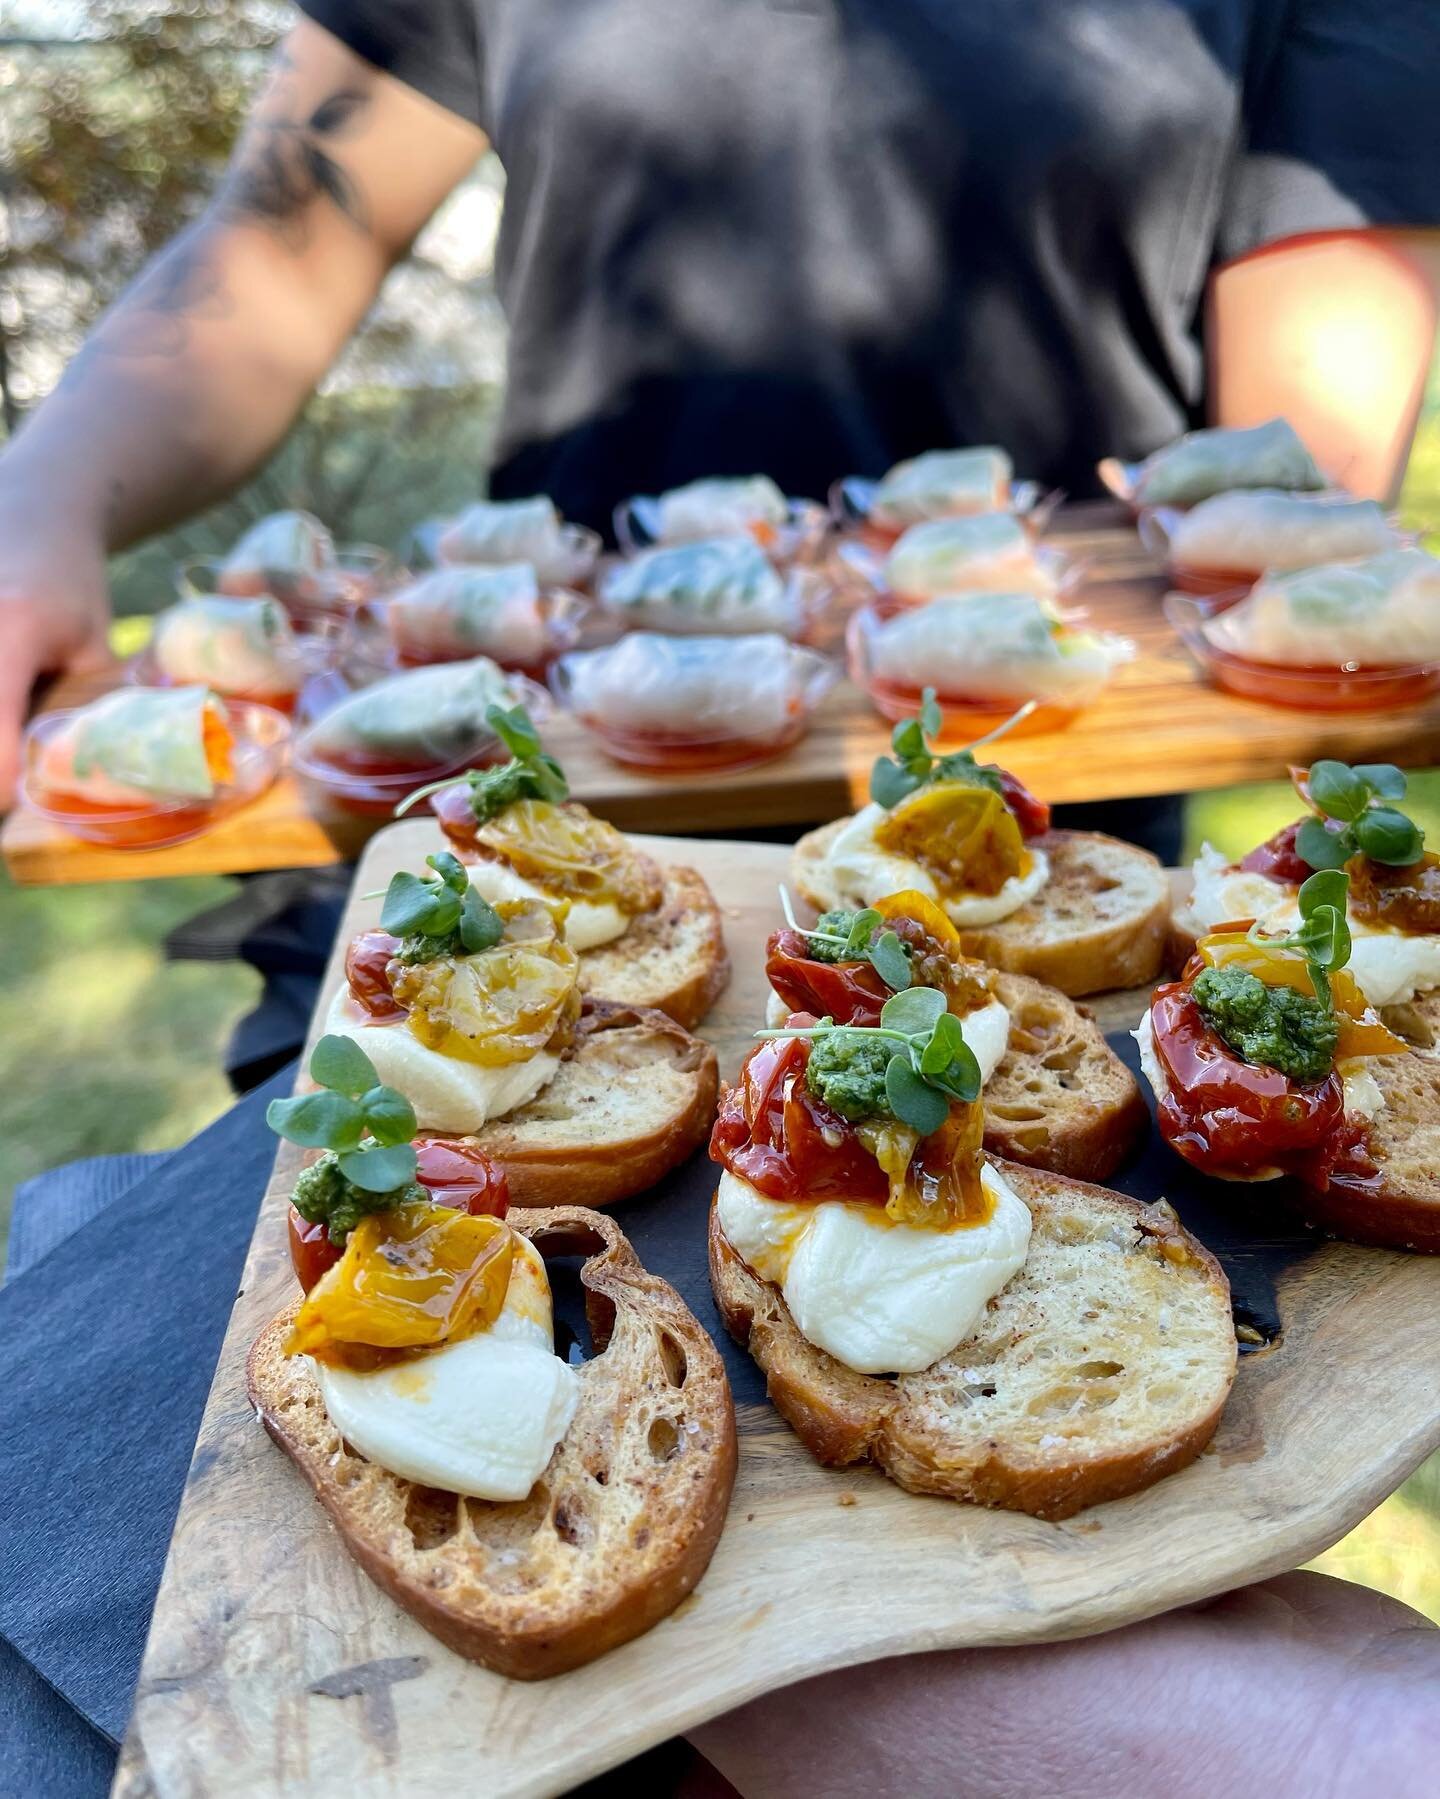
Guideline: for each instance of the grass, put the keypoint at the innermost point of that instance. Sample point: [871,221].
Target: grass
[107,1047]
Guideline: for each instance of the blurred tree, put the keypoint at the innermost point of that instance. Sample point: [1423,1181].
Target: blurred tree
[109,143]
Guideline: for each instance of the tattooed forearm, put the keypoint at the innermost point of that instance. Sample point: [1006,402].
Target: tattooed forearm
[153,318]
[287,166]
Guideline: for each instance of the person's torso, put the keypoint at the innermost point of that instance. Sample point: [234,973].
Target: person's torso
[812,236]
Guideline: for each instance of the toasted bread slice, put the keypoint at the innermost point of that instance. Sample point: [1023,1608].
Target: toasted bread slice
[633,1098]
[1101,921]
[673,958]
[1101,1366]
[614,1534]
[1061,1099]
[1403,1209]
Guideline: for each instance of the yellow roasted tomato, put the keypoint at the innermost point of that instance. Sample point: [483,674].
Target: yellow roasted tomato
[409,1279]
[567,851]
[963,836]
[1361,1032]
[935,1183]
[501,1005]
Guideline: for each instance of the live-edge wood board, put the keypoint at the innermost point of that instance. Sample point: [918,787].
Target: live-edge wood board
[275,1667]
[1158,728]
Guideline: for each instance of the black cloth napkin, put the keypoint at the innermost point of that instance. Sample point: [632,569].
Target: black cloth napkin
[107,1348]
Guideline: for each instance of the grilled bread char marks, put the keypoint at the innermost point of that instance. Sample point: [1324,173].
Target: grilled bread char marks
[619,1528]
[1101,921]
[1101,1366]
[632,1100]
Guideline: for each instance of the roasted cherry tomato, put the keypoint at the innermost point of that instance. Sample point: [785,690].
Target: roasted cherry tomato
[1225,1114]
[1405,899]
[366,962]
[1031,814]
[457,817]
[1278,860]
[774,1133]
[453,1170]
[848,992]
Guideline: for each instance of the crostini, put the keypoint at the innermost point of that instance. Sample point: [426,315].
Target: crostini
[977,1329]
[491,1488]
[474,1013]
[1353,820]
[1267,1062]
[1056,1095]
[646,936]
[1078,910]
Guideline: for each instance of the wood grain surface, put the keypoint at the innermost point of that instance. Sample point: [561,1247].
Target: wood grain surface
[274,1666]
[1158,728]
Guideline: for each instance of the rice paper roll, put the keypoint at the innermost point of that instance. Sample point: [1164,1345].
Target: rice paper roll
[509,531]
[234,646]
[719,584]
[420,719]
[1203,463]
[139,744]
[1381,612]
[1266,528]
[458,613]
[695,687]
[714,507]
[943,484]
[991,552]
[992,645]
[278,549]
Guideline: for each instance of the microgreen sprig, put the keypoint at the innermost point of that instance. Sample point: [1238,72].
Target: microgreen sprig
[1355,799]
[1323,936]
[368,1127]
[530,774]
[931,1064]
[867,940]
[442,908]
[915,763]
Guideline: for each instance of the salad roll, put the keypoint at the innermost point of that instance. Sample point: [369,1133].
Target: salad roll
[726,503]
[692,686]
[509,531]
[275,551]
[718,585]
[1203,463]
[460,612]
[235,646]
[420,719]
[139,744]
[942,484]
[1268,528]
[1381,612]
[989,552]
[992,646]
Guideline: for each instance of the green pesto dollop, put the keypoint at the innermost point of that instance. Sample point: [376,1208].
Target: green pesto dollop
[835,923]
[1275,1026]
[322,1195]
[847,1071]
[537,777]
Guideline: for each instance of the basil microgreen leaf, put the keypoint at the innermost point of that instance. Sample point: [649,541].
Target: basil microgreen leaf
[1328,888]
[932,719]
[862,928]
[1319,847]
[1338,790]
[388,1115]
[1352,798]
[888,958]
[1324,935]
[912,1100]
[916,763]
[913,1012]
[379,1170]
[414,905]
[481,926]
[515,729]
[889,784]
[1386,780]
[340,1064]
[961,1078]
[1388,836]
[945,1040]
[323,1120]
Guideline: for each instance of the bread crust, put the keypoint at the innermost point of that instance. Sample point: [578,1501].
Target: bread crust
[673,958]
[545,1172]
[844,1417]
[615,1532]
[1069,935]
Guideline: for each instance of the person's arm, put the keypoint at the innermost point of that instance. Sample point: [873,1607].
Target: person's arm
[197,372]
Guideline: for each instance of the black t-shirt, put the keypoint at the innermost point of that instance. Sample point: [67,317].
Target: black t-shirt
[810,237]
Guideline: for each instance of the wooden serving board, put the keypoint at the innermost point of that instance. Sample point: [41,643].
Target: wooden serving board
[274,1666]
[1158,728]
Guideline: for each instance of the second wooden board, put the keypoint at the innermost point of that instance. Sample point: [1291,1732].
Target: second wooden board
[274,1666]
